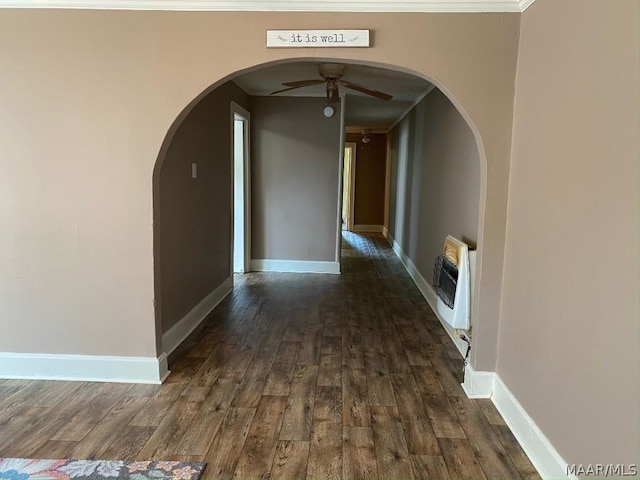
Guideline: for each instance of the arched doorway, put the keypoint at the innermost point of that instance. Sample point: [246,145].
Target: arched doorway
[192,307]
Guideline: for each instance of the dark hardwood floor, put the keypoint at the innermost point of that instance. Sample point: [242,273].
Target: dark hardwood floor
[292,376]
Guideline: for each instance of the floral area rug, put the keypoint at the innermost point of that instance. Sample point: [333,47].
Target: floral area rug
[41,469]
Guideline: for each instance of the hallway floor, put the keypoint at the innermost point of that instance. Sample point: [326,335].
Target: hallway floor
[292,376]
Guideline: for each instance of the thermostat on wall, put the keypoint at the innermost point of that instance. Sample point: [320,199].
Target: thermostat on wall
[329,111]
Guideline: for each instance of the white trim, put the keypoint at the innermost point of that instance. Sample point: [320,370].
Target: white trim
[387,184]
[353,147]
[173,337]
[477,384]
[413,105]
[163,366]
[427,292]
[294,266]
[524,4]
[367,228]
[479,6]
[543,455]
[86,368]
[341,147]
[385,233]
[237,109]
[536,445]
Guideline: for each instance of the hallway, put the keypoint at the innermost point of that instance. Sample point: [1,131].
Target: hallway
[293,375]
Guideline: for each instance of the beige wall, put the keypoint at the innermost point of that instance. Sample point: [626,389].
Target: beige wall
[192,229]
[295,155]
[370,179]
[435,181]
[569,326]
[87,99]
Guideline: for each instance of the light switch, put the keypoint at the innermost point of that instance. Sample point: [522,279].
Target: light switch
[194,170]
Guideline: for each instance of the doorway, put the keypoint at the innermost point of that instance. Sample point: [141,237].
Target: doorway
[241,201]
[348,182]
[228,227]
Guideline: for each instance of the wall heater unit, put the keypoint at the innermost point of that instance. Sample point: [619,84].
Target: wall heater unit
[452,281]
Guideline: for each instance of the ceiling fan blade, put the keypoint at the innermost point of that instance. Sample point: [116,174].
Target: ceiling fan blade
[303,83]
[359,88]
[286,89]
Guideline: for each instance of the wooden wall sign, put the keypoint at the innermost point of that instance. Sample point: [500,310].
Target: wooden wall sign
[317,38]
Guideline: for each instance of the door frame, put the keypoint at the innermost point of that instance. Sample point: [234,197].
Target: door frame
[342,139]
[353,146]
[237,110]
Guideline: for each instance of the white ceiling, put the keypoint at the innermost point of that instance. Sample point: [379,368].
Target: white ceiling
[361,110]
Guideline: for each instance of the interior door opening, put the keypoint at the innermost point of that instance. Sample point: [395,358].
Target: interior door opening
[241,190]
[348,189]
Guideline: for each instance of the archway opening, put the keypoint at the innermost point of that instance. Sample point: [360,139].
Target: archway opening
[193,230]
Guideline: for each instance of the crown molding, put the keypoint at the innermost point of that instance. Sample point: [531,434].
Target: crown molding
[524,4]
[413,105]
[479,6]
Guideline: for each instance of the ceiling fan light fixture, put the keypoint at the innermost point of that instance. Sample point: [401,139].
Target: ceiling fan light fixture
[331,74]
[365,136]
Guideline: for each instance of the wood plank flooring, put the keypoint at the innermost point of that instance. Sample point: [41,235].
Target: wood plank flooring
[292,376]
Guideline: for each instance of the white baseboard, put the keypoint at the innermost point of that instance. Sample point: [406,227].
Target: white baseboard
[163,366]
[543,455]
[477,384]
[294,266]
[368,228]
[181,330]
[385,232]
[86,368]
[427,292]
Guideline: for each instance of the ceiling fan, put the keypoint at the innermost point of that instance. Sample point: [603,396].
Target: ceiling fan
[331,74]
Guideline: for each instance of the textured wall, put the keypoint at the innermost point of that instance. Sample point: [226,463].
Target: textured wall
[569,324]
[193,219]
[435,181]
[295,154]
[83,119]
